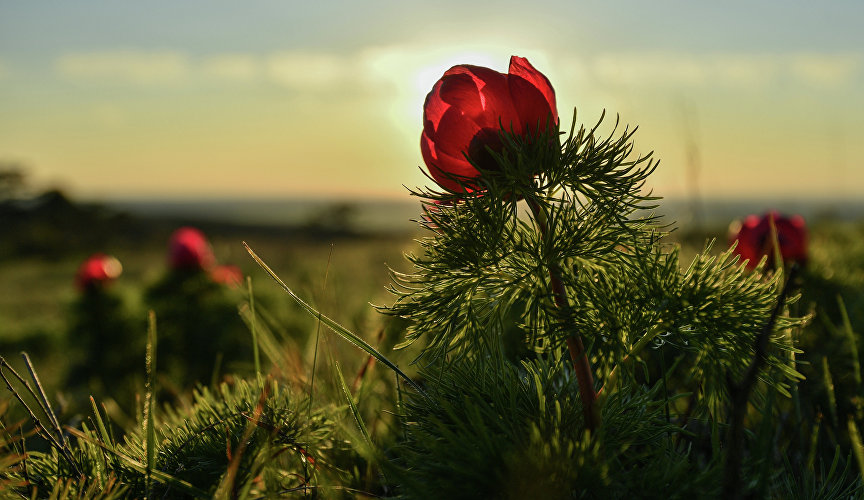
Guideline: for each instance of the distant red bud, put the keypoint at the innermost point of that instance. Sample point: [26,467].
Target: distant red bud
[189,249]
[97,270]
[754,238]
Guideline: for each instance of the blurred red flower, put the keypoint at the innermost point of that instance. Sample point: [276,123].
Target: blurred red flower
[466,110]
[227,275]
[755,239]
[96,271]
[189,249]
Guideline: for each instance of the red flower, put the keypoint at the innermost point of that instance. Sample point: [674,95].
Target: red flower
[227,275]
[468,107]
[755,239]
[189,250]
[96,271]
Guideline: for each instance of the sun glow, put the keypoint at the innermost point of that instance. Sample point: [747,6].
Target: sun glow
[426,76]
[408,72]
[413,70]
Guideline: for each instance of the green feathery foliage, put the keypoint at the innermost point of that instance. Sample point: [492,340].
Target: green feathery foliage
[515,431]
[551,248]
[489,260]
[240,439]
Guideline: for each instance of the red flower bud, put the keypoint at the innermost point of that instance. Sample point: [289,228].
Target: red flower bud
[466,110]
[97,270]
[189,249]
[755,239]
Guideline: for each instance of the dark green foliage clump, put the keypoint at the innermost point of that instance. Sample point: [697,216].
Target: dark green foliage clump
[200,333]
[474,432]
[515,431]
[105,356]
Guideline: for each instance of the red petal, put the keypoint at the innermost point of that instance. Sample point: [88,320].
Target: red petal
[455,133]
[752,221]
[749,246]
[531,106]
[496,105]
[433,109]
[792,238]
[798,222]
[519,66]
[443,166]
[460,91]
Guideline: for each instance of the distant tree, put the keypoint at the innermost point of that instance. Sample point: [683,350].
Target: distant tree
[337,218]
[13,180]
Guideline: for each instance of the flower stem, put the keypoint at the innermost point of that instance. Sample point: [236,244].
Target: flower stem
[575,345]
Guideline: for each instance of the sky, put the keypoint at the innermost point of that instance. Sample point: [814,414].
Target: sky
[289,99]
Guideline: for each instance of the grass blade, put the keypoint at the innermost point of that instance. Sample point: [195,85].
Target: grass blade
[40,428]
[100,425]
[333,325]
[857,446]
[850,335]
[253,329]
[43,400]
[358,419]
[149,425]
[318,336]
[829,391]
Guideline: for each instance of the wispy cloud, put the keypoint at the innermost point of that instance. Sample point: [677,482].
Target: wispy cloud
[742,70]
[419,67]
[233,67]
[309,70]
[127,66]
[822,69]
[305,70]
[647,68]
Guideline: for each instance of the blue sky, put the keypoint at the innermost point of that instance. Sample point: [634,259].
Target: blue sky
[202,99]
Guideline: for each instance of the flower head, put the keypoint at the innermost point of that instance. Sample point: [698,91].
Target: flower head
[755,239]
[190,250]
[470,106]
[98,270]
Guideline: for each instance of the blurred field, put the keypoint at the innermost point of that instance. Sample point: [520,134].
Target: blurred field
[340,271]
[34,291]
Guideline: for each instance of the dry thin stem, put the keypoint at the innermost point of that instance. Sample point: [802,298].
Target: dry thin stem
[740,395]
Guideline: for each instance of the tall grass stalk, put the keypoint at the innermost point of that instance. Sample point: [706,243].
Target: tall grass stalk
[149,404]
[318,334]
[850,335]
[253,329]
